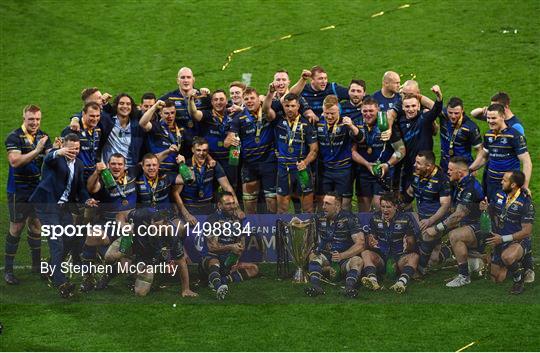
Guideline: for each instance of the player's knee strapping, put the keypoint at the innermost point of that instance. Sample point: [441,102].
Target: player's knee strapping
[351,278]
[406,274]
[426,247]
[250,196]
[34,242]
[12,244]
[516,270]
[214,276]
[315,272]
[463,269]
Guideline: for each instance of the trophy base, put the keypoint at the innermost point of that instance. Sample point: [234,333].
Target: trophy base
[300,276]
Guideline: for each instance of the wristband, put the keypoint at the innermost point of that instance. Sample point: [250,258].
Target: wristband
[440,227]
[507,238]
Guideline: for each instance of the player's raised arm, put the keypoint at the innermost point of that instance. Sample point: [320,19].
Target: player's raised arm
[299,86]
[192,108]
[145,121]
[267,103]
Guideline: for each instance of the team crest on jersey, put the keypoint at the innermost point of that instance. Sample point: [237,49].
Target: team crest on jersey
[341,223]
[504,140]
[514,207]
[398,226]
[380,225]
[490,139]
[499,201]
[429,185]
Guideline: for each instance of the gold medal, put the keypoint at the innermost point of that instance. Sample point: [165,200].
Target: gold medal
[370,150]
[291,149]
[190,124]
[451,153]
[125,202]
[220,143]
[257,140]
[201,194]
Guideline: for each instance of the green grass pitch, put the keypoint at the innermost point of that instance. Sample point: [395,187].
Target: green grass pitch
[50,50]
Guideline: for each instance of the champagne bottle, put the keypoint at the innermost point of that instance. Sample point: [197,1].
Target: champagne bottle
[303,178]
[485,223]
[376,169]
[231,260]
[125,243]
[382,121]
[234,154]
[185,172]
[108,178]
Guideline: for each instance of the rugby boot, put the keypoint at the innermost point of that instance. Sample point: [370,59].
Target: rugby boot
[313,291]
[10,278]
[399,287]
[517,287]
[222,291]
[371,282]
[459,281]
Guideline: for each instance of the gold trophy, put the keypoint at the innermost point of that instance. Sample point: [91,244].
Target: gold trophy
[296,239]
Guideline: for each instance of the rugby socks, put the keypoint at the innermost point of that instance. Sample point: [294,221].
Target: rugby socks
[88,254]
[214,277]
[351,279]
[315,270]
[527,261]
[463,269]
[406,274]
[516,270]
[12,244]
[426,247]
[235,276]
[445,253]
[370,271]
[34,242]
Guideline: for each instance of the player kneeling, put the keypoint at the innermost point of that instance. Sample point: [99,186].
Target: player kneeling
[391,236]
[221,263]
[341,243]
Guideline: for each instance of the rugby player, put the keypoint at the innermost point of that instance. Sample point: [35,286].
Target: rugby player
[341,242]
[353,107]
[391,237]
[26,147]
[509,118]
[513,218]
[221,263]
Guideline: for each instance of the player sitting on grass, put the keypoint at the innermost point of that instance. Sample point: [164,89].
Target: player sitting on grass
[391,236]
[221,263]
[341,243]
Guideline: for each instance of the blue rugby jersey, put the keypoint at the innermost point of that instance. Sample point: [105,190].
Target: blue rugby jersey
[24,179]
[256,134]
[373,148]
[390,235]
[160,138]
[90,140]
[429,190]
[183,119]
[315,98]
[300,138]
[277,106]
[352,111]
[214,128]
[221,218]
[511,214]
[334,144]
[387,103]
[469,193]
[418,132]
[503,150]
[202,189]
[458,140]
[155,194]
[336,234]
[121,198]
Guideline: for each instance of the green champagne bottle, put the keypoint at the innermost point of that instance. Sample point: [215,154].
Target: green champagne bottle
[303,178]
[382,121]
[231,260]
[125,243]
[337,269]
[108,178]
[485,223]
[234,154]
[376,168]
[185,172]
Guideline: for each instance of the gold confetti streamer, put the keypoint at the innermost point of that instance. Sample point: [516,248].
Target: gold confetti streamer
[404,6]
[286,37]
[377,14]
[464,348]
[329,27]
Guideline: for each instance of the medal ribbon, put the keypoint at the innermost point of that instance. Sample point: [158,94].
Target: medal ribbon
[151,188]
[292,132]
[122,191]
[331,134]
[31,138]
[199,174]
[454,134]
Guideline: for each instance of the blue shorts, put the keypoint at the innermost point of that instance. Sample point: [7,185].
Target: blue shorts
[200,208]
[288,183]
[19,207]
[335,180]
[231,171]
[492,187]
[263,171]
[368,185]
[496,256]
